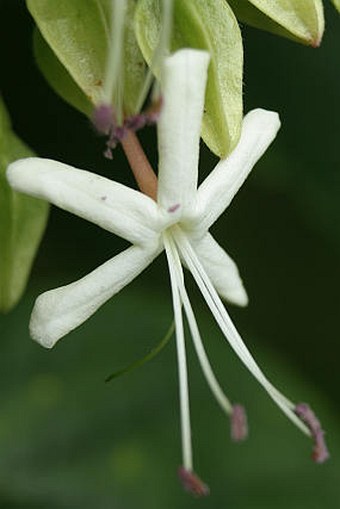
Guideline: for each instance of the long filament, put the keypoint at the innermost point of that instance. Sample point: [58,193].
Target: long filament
[226,325]
[213,384]
[182,362]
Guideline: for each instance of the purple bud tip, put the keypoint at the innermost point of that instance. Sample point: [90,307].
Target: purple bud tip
[173,208]
[305,413]
[103,118]
[239,424]
[192,483]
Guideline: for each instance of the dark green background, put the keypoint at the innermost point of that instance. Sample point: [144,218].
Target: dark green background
[67,440]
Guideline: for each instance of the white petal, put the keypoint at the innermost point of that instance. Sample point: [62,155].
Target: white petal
[59,311]
[216,192]
[112,206]
[221,269]
[179,127]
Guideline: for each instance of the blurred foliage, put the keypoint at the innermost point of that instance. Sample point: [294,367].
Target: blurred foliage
[83,443]
[22,222]
[68,440]
[299,20]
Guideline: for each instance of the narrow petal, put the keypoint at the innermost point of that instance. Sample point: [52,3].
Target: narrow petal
[59,311]
[218,189]
[221,269]
[179,127]
[110,205]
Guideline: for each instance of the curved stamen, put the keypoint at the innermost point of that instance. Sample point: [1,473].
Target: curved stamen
[230,332]
[215,388]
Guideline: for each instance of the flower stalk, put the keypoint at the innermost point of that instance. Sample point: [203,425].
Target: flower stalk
[140,165]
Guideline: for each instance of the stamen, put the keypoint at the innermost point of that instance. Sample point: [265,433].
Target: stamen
[182,363]
[229,330]
[320,452]
[192,483]
[214,386]
[239,424]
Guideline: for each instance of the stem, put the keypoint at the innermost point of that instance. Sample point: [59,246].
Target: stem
[140,166]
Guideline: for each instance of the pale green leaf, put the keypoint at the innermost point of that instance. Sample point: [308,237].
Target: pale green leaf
[300,20]
[22,221]
[78,33]
[134,63]
[58,77]
[211,26]
[336,4]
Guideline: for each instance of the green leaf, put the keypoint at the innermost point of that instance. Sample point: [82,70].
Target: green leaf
[22,221]
[78,34]
[336,4]
[211,26]
[58,77]
[299,20]
[134,63]
[146,358]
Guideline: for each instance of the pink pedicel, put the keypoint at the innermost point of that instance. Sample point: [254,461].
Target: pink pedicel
[239,424]
[305,413]
[192,483]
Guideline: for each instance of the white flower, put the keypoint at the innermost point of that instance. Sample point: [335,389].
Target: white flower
[178,223]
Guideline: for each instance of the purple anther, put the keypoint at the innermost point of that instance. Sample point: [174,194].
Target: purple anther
[173,208]
[192,483]
[320,452]
[103,118]
[305,413]
[239,424]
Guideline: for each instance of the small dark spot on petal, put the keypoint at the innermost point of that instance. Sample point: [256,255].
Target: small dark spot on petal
[173,208]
